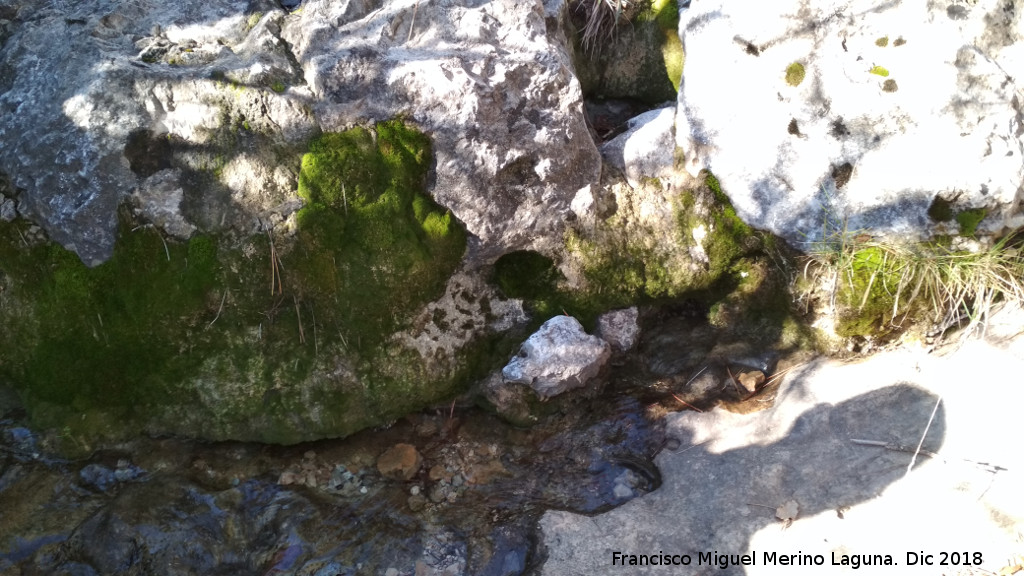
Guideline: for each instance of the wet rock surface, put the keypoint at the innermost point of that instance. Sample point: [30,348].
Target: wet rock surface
[462,497]
[470,508]
[619,328]
[558,357]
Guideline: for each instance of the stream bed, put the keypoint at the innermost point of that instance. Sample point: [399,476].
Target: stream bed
[174,506]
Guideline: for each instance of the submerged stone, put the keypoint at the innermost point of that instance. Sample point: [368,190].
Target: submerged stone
[619,328]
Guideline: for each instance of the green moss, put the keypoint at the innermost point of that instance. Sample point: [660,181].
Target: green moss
[278,86]
[624,267]
[970,219]
[941,210]
[253,20]
[868,295]
[795,74]
[117,336]
[642,61]
[220,341]
[666,14]
[367,233]
[879,71]
[672,52]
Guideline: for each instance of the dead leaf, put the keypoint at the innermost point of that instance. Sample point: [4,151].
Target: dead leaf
[788,511]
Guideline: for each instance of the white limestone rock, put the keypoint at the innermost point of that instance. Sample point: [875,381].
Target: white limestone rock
[946,122]
[558,357]
[646,149]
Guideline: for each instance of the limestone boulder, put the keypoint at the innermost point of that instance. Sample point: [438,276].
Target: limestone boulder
[96,98]
[894,119]
[491,83]
[196,118]
[559,357]
[832,468]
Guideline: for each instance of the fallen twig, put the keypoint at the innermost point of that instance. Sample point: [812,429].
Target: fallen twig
[917,450]
[735,384]
[685,403]
[275,271]
[298,317]
[900,448]
[693,446]
[219,310]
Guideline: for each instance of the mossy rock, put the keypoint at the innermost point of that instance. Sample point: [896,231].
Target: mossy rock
[265,338]
[624,264]
[968,220]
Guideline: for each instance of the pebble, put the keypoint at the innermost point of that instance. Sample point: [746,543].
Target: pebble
[417,502]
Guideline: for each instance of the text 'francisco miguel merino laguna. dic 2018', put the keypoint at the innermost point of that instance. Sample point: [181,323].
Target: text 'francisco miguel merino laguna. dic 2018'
[767,559]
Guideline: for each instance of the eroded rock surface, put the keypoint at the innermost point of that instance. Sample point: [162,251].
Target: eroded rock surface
[857,114]
[96,98]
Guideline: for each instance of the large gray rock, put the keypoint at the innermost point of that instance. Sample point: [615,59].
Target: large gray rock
[490,82]
[558,357]
[97,97]
[791,479]
[898,105]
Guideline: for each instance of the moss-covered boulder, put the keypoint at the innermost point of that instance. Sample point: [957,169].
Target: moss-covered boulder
[281,337]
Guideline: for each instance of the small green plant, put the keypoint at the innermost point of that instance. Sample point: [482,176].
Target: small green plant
[879,71]
[278,86]
[795,74]
[253,20]
[877,281]
[969,220]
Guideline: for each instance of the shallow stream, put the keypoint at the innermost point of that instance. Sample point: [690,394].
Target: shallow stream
[172,506]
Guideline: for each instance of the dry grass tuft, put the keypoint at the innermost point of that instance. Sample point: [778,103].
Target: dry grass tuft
[958,287]
[602,18]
